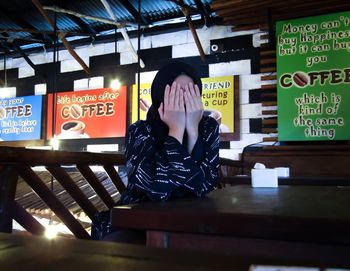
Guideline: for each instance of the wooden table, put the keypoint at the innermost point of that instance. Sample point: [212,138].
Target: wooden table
[18,253]
[301,223]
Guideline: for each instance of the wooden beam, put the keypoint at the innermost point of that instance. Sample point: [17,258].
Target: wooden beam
[115,178]
[72,189]
[26,220]
[51,200]
[95,183]
[186,11]
[62,37]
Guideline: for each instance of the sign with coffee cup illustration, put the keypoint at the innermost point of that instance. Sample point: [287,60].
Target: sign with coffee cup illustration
[20,118]
[98,113]
[217,96]
[313,78]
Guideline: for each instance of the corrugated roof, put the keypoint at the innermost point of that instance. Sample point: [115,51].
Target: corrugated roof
[22,14]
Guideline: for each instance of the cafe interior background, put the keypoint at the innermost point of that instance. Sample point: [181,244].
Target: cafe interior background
[91,56]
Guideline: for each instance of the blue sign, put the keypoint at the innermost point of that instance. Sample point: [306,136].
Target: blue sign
[20,118]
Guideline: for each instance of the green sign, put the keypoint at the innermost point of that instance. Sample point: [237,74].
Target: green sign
[313,78]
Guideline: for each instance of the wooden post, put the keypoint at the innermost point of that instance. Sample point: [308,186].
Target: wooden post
[8,183]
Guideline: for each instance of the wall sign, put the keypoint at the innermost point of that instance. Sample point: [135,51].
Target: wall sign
[20,118]
[98,113]
[313,74]
[220,96]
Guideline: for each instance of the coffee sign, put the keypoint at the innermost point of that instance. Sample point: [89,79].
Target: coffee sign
[313,78]
[95,113]
[219,97]
[20,118]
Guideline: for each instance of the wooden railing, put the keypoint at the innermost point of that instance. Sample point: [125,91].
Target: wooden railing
[19,162]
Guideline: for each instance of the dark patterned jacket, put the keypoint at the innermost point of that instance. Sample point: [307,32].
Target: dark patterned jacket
[171,172]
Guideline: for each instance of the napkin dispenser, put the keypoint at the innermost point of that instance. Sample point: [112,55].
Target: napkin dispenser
[264,177]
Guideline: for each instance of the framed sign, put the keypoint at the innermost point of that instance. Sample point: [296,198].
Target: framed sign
[313,76]
[220,96]
[20,118]
[98,113]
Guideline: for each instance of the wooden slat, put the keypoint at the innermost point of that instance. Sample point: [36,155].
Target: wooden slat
[262,27]
[8,183]
[269,130]
[269,121]
[268,77]
[269,112]
[270,86]
[270,139]
[67,182]
[49,198]
[274,103]
[268,53]
[96,185]
[272,95]
[247,20]
[268,61]
[113,174]
[26,220]
[268,69]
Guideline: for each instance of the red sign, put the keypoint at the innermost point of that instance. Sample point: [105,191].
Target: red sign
[94,113]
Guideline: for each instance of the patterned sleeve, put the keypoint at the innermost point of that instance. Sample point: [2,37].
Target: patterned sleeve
[159,174]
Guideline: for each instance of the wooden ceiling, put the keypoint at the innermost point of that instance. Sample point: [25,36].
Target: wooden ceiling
[253,14]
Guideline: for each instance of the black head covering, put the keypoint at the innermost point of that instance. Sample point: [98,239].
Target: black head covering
[166,76]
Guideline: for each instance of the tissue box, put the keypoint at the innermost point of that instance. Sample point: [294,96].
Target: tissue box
[264,177]
[282,171]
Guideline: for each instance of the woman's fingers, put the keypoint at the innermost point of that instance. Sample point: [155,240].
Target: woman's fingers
[166,96]
[177,97]
[172,95]
[161,111]
[198,97]
[188,99]
[181,101]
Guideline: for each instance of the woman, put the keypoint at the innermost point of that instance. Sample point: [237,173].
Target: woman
[175,152]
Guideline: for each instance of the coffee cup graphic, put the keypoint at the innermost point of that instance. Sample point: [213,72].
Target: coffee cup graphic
[72,129]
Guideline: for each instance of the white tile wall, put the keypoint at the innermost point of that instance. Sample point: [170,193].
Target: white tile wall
[184,50]
[146,77]
[244,96]
[251,81]
[127,58]
[40,89]
[98,49]
[169,39]
[240,67]
[9,92]
[72,65]
[42,58]
[122,45]
[96,82]
[81,84]
[249,111]
[25,71]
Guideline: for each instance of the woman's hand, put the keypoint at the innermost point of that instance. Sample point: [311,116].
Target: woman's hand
[172,111]
[194,113]
[194,108]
